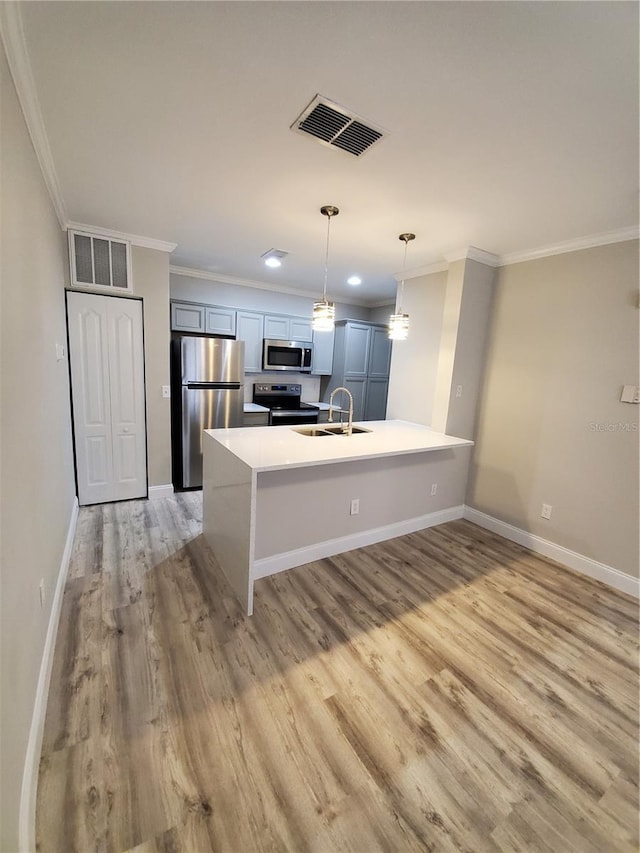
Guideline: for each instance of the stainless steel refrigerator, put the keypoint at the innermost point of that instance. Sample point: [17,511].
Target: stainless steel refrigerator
[210,396]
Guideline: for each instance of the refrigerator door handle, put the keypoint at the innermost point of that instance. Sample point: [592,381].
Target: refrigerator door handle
[225,386]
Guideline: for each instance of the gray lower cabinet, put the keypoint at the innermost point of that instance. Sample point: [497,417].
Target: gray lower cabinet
[250,329]
[361,362]
[255,419]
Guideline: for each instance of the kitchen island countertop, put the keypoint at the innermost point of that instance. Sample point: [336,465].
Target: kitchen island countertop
[278,448]
[274,499]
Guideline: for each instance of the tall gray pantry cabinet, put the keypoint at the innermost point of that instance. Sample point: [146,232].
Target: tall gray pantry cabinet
[361,362]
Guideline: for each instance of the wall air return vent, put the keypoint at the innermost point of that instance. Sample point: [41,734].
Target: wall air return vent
[101,262]
[336,127]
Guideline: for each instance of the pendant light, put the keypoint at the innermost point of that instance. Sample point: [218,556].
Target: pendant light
[324,312]
[399,322]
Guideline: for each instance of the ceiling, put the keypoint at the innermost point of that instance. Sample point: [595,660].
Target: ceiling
[509,126]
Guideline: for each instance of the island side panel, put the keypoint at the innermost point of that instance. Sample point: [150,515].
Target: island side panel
[228,500]
[306,508]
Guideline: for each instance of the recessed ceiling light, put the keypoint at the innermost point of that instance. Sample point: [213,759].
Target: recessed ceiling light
[273,258]
[354,280]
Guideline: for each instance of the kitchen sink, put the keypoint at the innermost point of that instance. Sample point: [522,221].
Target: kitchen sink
[341,430]
[328,430]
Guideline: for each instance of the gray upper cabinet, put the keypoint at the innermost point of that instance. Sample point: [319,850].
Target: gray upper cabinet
[301,329]
[206,319]
[250,329]
[220,321]
[284,328]
[322,359]
[361,362]
[356,348]
[186,317]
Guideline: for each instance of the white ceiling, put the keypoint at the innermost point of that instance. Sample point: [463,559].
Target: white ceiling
[510,126]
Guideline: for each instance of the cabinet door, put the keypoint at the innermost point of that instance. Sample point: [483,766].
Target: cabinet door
[250,330]
[107,388]
[255,419]
[356,356]
[220,321]
[380,354]
[187,318]
[358,388]
[375,408]
[322,361]
[278,328]
[300,329]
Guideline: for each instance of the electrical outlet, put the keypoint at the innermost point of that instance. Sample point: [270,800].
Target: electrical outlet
[166,391]
[459,391]
[43,592]
[434,489]
[545,512]
[355,506]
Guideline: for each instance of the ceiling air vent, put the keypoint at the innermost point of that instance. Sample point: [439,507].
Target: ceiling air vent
[332,125]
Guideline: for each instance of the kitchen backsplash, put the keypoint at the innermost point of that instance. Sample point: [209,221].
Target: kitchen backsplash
[310,384]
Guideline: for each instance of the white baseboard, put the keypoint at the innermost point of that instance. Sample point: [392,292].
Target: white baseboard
[160,491]
[585,565]
[27,816]
[289,559]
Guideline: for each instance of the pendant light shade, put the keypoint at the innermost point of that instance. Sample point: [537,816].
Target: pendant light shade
[399,322]
[324,312]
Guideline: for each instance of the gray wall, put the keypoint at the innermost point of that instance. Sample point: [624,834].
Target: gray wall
[414,362]
[151,282]
[552,429]
[382,313]
[37,484]
[255,299]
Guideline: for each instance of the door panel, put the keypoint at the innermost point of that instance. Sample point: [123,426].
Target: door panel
[126,383]
[107,386]
[357,388]
[376,404]
[96,460]
[356,357]
[380,357]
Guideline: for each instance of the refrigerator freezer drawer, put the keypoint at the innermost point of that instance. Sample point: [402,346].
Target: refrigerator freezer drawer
[205,408]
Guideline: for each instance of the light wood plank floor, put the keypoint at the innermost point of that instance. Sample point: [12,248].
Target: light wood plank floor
[444,691]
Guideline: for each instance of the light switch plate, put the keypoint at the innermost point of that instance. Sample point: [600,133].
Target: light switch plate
[630,394]
[60,352]
[166,391]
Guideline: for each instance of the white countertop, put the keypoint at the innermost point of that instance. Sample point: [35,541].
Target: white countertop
[274,448]
[254,407]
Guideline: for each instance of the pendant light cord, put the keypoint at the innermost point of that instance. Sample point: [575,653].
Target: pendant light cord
[404,267]
[326,261]
[405,239]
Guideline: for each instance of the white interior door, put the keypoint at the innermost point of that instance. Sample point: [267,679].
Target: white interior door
[107,379]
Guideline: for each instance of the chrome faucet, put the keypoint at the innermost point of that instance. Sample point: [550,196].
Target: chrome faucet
[333,393]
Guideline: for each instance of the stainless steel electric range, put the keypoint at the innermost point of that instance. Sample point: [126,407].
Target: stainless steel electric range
[284,404]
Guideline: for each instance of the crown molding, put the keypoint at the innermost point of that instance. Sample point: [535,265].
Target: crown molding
[603,239]
[472,253]
[15,46]
[134,239]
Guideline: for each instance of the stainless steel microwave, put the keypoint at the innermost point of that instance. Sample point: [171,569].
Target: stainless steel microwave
[287,355]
